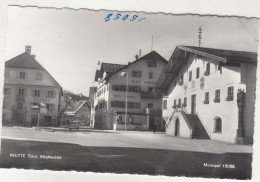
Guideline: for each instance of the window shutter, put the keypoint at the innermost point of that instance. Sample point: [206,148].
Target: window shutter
[45,93]
[25,92]
[17,91]
[54,94]
[41,93]
[26,75]
[32,92]
[17,74]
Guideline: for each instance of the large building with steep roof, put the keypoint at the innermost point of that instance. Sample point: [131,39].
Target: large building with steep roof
[209,93]
[131,84]
[28,86]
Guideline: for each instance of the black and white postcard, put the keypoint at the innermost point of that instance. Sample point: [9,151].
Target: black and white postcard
[129,92]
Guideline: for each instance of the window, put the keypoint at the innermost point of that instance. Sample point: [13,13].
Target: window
[50,107]
[22,75]
[207,72]
[121,104]
[164,104]
[38,76]
[7,91]
[179,103]
[206,101]
[181,80]
[151,75]
[115,87]
[151,64]
[37,93]
[197,73]
[6,73]
[123,88]
[217,96]
[220,68]
[174,103]
[137,74]
[21,91]
[134,88]
[190,76]
[218,125]
[230,93]
[150,89]
[150,105]
[185,102]
[51,94]
[19,105]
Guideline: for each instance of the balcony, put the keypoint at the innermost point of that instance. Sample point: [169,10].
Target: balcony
[148,95]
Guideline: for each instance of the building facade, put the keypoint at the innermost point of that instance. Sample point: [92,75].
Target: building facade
[209,93]
[29,89]
[131,84]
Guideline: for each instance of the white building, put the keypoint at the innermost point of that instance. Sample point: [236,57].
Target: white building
[200,87]
[28,85]
[133,84]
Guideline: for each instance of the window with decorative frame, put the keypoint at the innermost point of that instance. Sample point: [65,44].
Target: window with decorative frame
[230,93]
[217,96]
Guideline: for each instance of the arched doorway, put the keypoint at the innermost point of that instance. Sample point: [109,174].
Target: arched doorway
[218,125]
[177,127]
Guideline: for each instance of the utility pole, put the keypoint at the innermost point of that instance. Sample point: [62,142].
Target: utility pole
[200,32]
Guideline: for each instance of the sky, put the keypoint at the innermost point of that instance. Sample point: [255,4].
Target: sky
[69,43]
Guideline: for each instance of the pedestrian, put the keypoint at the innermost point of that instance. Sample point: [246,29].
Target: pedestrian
[154,128]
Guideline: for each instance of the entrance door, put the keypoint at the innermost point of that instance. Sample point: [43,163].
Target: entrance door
[151,122]
[177,127]
[193,104]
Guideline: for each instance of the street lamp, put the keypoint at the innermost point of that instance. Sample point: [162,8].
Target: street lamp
[240,139]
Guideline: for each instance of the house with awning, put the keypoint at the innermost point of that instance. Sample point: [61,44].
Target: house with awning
[209,94]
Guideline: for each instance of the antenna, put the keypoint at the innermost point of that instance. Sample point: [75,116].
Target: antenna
[200,32]
[152,44]
[140,53]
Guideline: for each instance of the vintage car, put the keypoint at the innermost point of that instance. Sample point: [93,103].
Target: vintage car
[74,125]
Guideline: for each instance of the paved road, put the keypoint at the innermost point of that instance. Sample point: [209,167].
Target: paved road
[134,139]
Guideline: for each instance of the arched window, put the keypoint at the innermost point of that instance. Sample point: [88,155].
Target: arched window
[218,125]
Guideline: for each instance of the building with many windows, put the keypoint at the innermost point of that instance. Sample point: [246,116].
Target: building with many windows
[29,88]
[209,93]
[131,84]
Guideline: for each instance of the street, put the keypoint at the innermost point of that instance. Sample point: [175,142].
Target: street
[135,139]
[123,152]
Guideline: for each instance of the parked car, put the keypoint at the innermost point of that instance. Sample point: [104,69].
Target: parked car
[74,125]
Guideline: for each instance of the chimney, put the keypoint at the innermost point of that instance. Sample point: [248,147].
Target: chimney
[136,57]
[33,56]
[80,95]
[28,49]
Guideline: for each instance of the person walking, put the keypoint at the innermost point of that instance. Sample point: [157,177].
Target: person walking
[154,128]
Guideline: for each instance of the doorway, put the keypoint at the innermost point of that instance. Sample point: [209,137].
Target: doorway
[151,122]
[177,127]
[193,104]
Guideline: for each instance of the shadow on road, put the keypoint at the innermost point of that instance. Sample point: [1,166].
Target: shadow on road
[124,160]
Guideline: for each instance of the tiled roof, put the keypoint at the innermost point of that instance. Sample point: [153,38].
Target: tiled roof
[24,61]
[150,56]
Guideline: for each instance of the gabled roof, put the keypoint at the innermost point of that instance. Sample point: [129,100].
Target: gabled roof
[24,60]
[181,55]
[150,56]
[77,106]
[222,54]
